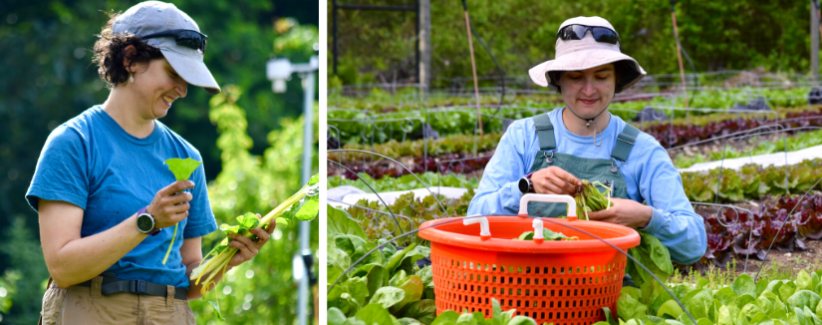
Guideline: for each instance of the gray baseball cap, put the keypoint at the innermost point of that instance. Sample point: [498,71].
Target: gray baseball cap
[152,17]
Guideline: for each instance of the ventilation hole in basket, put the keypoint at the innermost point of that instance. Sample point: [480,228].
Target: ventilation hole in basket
[562,270]
[560,293]
[550,315]
[576,292]
[566,315]
[519,303]
[510,280]
[553,270]
[544,293]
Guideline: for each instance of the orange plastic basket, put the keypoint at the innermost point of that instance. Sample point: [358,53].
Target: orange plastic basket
[560,282]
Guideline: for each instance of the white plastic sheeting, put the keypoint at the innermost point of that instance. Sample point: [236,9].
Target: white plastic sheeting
[774,159]
[349,199]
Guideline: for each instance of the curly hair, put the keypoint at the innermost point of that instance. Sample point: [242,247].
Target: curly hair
[109,52]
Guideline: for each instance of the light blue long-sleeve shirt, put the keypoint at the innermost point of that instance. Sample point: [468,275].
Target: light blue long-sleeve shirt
[649,173]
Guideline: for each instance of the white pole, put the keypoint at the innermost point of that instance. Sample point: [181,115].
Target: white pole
[305,226]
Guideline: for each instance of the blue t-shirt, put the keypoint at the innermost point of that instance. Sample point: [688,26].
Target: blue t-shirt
[91,162]
[649,173]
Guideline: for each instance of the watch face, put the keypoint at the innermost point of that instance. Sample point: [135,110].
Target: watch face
[144,223]
[523,185]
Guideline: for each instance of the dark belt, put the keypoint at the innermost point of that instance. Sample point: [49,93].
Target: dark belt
[112,285]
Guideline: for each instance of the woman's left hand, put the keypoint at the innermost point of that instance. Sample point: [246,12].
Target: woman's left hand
[625,212]
[249,248]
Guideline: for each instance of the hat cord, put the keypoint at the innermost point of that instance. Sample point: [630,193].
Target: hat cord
[590,121]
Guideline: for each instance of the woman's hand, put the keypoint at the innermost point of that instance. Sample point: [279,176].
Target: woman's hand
[554,180]
[249,248]
[625,212]
[169,206]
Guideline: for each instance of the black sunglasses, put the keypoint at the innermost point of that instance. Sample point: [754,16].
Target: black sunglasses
[185,37]
[577,32]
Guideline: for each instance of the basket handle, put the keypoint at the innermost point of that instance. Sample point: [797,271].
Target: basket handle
[485,232]
[548,198]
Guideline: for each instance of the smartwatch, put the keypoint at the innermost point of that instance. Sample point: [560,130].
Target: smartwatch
[525,185]
[145,222]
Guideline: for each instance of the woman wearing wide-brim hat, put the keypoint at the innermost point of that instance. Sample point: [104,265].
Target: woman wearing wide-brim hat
[551,153]
[107,204]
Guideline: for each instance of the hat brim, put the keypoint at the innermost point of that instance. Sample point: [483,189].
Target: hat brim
[583,60]
[192,71]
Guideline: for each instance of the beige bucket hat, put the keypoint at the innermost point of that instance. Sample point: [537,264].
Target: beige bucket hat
[575,55]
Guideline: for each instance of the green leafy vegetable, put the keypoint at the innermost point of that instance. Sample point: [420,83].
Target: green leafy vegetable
[182,170]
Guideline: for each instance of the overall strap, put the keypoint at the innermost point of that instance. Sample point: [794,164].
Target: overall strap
[545,132]
[625,141]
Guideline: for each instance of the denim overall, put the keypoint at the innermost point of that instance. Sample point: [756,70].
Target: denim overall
[605,171]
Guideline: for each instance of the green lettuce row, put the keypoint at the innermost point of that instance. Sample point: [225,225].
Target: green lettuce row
[784,302]
[751,182]
[387,285]
[405,182]
[453,144]
[465,123]
[794,143]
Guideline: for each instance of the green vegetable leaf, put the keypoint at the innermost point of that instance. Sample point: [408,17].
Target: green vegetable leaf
[217,310]
[182,168]
[388,296]
[448,317]
[248,220]
[340,222]
[309,210]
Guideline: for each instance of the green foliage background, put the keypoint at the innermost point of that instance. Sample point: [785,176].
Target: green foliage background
[374,45]
[46,78]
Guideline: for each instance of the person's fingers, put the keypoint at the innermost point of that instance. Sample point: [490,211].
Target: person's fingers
[262,236]
[242,249]
[177,217]
[176,187]
[271,225]
[179,208]
[247,242]
[179,198]
[551,188]
[563,187]
[567,177]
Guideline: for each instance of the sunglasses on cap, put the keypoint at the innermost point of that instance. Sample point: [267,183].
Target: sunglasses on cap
[184,37]
[577,32]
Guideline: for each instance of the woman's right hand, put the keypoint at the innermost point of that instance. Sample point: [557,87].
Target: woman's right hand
[554,180]
[170,204]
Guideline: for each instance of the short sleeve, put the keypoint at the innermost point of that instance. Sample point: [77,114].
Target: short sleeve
[201,220]
[62,170]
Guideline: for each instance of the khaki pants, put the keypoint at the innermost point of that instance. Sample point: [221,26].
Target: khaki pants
[84,305]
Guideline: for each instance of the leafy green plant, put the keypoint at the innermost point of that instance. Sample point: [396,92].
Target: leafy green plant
[405,182]
[547,234]
[386,284]
[182,170]
[590,199]
[303,205]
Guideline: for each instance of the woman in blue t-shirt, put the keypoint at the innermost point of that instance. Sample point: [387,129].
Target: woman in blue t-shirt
[551,153]
[107,203]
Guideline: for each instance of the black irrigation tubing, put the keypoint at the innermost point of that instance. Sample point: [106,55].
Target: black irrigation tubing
[392,160]
[375,192]
[501,73]
[736,210]
[798,203]
[350,268]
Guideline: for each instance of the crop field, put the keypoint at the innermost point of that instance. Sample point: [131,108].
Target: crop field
[750,161]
